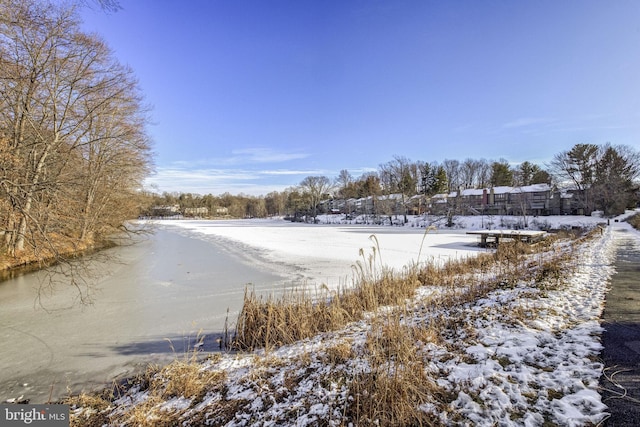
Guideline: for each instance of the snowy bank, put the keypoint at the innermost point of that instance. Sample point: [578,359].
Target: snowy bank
[521,354]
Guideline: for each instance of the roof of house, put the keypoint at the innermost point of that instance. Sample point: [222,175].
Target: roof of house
[503,189]
[534,188]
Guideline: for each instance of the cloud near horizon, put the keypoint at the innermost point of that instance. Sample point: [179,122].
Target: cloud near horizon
[181,178]
[241,171]
[265,155]
[246,156]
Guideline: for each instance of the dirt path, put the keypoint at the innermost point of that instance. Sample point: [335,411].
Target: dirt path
[621,339]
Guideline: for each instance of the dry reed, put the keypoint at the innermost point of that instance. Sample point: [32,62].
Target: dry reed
[271,322]
[395,387]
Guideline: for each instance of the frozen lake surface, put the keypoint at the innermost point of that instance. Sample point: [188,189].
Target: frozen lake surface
[154,300]
[155,297]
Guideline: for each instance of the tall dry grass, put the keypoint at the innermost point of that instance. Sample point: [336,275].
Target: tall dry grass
[398,388]
[393,385]
[185,377]
[298,314]
[635,221]
[270,322]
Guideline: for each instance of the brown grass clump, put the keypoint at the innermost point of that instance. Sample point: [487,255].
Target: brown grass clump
[634,221]
[150,413]
[272,322]
[392,397]
[397,389]
[94,401]
[340,353]
[186,379]
[94,413]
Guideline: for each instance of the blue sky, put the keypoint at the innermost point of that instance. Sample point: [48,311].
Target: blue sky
[253,96]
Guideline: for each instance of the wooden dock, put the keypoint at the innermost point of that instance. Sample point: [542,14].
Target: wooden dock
[493,237]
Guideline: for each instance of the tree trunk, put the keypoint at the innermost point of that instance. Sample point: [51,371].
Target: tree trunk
[26,210]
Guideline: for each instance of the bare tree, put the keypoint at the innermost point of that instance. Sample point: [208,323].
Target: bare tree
[297,203]
[275,203]
[344,181]
[469,173]
[317,187]
[577,166]
[73,128]
[400,176]
[452,169]
[114,160]
[106,5]
[484,173]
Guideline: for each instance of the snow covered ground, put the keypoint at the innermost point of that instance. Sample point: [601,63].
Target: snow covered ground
[325,253]
[537,368]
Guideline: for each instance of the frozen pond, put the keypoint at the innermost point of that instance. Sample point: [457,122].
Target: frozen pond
[158,295]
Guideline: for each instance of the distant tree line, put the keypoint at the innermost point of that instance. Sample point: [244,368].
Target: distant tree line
[73,144]
[604,177]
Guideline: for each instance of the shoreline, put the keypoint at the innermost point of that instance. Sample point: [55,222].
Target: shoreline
[30,264]
[555,361]
[151,301]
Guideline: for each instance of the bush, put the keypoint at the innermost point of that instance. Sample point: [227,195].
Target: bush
[635,221]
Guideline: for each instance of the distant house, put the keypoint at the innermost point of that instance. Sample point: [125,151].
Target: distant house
[365,205]
[201,211]
[569,201]
[163,211]
[531,199]
[390,204]
[537,199]
[438,202]
[417,205]
[534,200]
[221,211]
